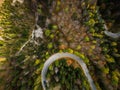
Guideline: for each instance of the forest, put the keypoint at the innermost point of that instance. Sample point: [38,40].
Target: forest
[59,44]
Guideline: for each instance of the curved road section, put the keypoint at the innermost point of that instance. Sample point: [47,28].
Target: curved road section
[64,55]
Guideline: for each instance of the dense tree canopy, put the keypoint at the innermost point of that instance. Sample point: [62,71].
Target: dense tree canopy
[33,30]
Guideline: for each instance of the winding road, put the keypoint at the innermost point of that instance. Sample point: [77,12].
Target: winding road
[63,55]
